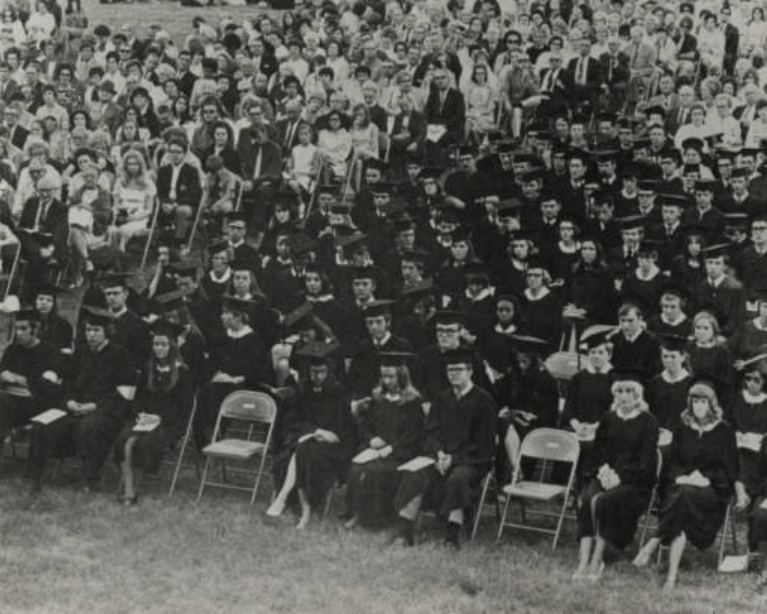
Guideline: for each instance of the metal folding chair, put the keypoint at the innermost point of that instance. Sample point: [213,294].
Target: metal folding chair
[185,441]
[254,409]
[547,445]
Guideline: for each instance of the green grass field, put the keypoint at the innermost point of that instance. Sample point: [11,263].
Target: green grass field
[68,552]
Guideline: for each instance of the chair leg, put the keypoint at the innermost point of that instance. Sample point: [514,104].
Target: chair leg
[480,507]
[204,477]
[328,503]
[560,521]
[502,523]
[258,477]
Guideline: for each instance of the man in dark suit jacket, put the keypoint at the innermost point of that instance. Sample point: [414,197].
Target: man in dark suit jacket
[446,107]
[718,292]
[260,169]
[16,132]
[43,231]
[731,39]
[555,87]
[407,131]
[585,75]
[376,111]
[287,128]
[8,86]
[186,78]
[616,73]
[178,190]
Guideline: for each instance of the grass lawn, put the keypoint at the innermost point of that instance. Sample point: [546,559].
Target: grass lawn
[69,552]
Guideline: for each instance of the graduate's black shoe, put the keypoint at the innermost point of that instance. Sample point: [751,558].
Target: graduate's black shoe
[453,535]
[405,533]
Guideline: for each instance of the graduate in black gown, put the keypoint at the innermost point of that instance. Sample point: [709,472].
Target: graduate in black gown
[667,391]
[130,331]
[535,399]
[363,370]
[589,392]
[634,349]
[749,419]
[96,398]
[163,402]
[238,359]
[459,438]
[319,456]
[672,319]
[31,372]
[619,476]
[391,432]
[541,308]
[55,330]
[702,469]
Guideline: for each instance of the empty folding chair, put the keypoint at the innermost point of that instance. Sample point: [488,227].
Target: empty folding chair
[547,445]
[252,408]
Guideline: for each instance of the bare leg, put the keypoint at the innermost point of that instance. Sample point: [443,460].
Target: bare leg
[584,556]
[643,556]
[511,445]
[129,482]
[278,505]
[674,558]
[410,511]
[306,510]
[597,559]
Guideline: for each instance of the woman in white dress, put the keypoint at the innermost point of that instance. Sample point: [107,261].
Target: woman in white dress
[304,161]
[335,145]
[481,101]
[134,197]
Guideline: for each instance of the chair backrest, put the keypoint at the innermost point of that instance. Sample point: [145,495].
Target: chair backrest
[249,406]
[563,365]
[551,444]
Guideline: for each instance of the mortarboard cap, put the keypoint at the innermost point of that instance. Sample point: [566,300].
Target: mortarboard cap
[418,290]
[672,343]
[705,185]
[715,251]
[170,300]
[527,343]
[596,335]
[631,222]
[460,356]
[378,308]
[446,317]
[218,247]
[317,352]
[395,359]
[114,279]
[97,316]
[692,143]
[165,328]
[237,304]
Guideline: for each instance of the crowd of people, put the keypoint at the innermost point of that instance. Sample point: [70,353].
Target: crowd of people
[390,216]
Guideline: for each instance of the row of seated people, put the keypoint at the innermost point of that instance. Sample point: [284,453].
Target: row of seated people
[711,454]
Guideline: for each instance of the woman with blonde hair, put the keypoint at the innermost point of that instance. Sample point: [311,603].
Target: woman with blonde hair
[618,475]
[364,133]
[709,354]
[134,198]
[391,429]
[702,469]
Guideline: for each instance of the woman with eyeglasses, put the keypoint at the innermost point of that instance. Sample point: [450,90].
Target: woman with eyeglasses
[618,474]
[335,144]
[701,474]
[749,419]
[541,307]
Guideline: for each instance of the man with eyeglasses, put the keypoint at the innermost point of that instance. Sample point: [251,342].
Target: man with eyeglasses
[554,87]
[751,264]
[43,230]
[178,190]
[430,369]
[260,169]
